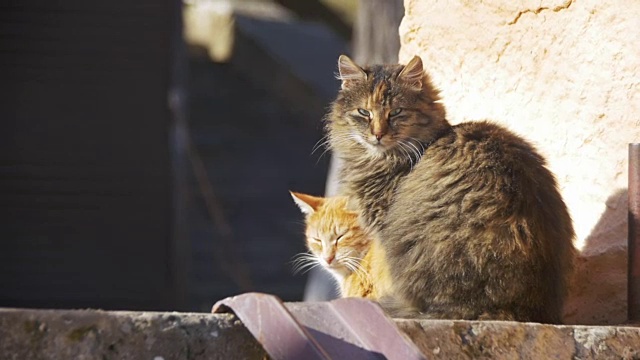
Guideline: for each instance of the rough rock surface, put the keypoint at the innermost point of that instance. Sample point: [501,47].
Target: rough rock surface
[444,339]
[92,334]
[565,74]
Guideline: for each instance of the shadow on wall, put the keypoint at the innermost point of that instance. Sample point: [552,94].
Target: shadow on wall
[598,294]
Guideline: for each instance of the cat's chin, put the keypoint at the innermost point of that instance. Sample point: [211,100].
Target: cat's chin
[373,149]
[376,153]
[378,150]
[338,270]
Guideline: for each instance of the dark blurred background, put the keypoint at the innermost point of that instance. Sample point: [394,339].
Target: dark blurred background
[147,147]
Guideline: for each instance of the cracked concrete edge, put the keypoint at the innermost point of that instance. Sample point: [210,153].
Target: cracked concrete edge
[95,334]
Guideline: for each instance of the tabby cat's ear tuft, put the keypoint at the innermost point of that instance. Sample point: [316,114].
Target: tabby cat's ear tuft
[413,73]
[308,204]
[349,71]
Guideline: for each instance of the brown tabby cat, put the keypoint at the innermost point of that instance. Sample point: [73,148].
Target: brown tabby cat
[337,242]
[470,218]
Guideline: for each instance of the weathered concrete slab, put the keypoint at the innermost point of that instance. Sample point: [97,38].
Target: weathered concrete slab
[92,334]
[446,339]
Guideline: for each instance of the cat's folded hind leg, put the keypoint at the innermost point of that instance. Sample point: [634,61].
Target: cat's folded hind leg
[398,308]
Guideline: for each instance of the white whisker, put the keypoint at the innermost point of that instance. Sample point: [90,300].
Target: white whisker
[411,152]
[402,146]
[304,262]
[304,268]
[417,151]
[331,143]
[335,140]
[323,142]
[419,143]
[353,264]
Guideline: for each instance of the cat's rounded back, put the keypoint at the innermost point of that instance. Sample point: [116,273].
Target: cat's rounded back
[482,198]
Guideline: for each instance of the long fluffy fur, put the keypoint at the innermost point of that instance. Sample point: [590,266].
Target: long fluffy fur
[473,225]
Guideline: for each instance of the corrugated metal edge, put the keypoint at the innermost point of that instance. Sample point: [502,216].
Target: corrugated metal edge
[371,334]
[375,329]
[269,321]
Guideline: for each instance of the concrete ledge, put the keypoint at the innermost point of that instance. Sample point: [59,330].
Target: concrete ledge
[448,339]
[91,334]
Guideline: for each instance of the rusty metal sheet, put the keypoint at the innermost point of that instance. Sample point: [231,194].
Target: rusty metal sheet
[349,328]
[633,284]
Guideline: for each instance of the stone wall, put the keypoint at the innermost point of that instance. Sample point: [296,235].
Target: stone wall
[565,74]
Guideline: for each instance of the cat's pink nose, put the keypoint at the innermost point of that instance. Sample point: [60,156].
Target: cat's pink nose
[329,259]
[378,131]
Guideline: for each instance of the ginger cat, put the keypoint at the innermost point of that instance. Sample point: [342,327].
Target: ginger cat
[338,243]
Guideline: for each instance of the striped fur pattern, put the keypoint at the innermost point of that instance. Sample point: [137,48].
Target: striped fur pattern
[470,218]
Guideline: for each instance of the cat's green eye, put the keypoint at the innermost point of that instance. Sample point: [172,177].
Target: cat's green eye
[395,111]
[364,112]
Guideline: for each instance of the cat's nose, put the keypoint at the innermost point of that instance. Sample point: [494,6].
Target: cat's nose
[378,128]
[379,133]
[329,258]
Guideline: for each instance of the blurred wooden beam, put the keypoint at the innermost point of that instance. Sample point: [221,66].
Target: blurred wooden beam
[376,39]
[317,11]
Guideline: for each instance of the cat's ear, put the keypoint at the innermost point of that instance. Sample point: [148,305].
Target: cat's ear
[413,73]
[308,204]
[349,71]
